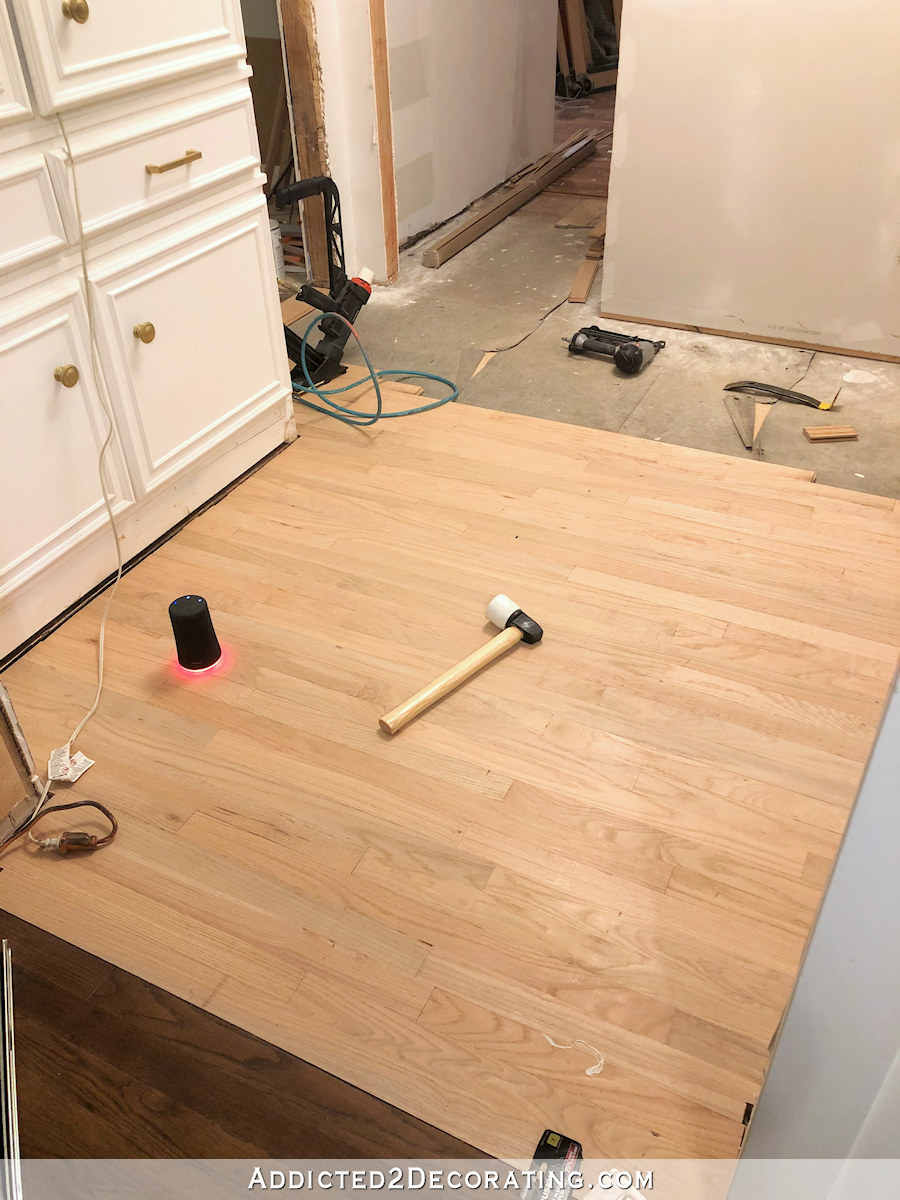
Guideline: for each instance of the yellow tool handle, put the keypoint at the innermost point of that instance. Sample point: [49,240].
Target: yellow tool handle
[394,720]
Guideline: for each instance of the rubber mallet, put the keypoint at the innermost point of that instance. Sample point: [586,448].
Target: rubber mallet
[516,627]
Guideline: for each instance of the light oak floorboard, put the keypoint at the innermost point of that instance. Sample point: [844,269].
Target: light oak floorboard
[620,835]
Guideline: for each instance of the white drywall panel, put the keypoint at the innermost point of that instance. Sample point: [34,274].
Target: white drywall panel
[833,1089]
[472,97]
[755,182]
[344,45]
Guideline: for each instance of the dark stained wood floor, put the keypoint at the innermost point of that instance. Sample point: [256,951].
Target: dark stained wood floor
[108,1066]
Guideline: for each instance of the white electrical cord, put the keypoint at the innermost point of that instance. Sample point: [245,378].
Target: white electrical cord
[105,486]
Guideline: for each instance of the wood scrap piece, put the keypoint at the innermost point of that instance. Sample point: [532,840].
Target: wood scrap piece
[385,135]
[604,79]
[577,136]
[830,433]
[595,248]
[358,373]
[577,26]
[760,412]
[583,282]
[739,409]
[562,52]
[394,395]
[600,193]
[408,389]
[293,310]
[599,230]
[486,358]
[502,206]
[582,216]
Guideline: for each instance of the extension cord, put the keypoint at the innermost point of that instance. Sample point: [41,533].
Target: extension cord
[351,416]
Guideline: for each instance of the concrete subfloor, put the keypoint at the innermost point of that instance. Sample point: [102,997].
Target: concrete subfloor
[508,292]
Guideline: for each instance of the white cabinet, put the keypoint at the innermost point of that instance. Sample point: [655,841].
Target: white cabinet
[140,164]
[13,93]
[219,349]
[80,50]
[159,155]
[31,224]
[49,469]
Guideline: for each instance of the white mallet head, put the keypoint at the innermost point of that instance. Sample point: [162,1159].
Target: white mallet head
[503,612]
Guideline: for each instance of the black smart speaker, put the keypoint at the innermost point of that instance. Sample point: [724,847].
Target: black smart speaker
[195,639]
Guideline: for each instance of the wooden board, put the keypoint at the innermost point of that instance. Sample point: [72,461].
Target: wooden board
[562,52]
[617,835]
[384,130]
[591,179]
[395,394]
[760,412]
[583,282]
[577,135]
[507,202]
[752,337]
[302,59]
[577,29]
[293,310]
[741,409]
[595,248]
[582,216]
[830,433]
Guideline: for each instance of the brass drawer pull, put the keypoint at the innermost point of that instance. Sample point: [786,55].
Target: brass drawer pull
[67,376]
[76,10]
[189,157]
[145,332]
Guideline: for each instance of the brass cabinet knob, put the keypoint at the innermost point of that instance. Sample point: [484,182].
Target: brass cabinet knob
[67,376]
[76,10]
[145,332]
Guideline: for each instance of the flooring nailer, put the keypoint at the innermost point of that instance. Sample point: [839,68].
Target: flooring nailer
[344,299]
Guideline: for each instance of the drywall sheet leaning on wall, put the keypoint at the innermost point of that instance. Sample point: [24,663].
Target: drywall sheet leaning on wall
[472,100]
[755,182]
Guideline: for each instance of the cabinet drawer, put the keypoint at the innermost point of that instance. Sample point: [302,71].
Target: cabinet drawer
[197,148]
[212,370]
[106,46]
[48,467]
[13,93]
[30,220]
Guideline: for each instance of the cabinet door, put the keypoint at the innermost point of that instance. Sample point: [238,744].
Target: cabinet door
[31,223]
[13,94]
[49,482]
[213,371]
[104,46]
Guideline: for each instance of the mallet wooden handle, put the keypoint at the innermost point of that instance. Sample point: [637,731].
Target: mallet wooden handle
[451,679]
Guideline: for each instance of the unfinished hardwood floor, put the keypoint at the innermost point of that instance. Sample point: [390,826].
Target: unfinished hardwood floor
[616,839]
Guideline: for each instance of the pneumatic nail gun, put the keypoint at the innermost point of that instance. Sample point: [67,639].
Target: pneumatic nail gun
[629,353]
